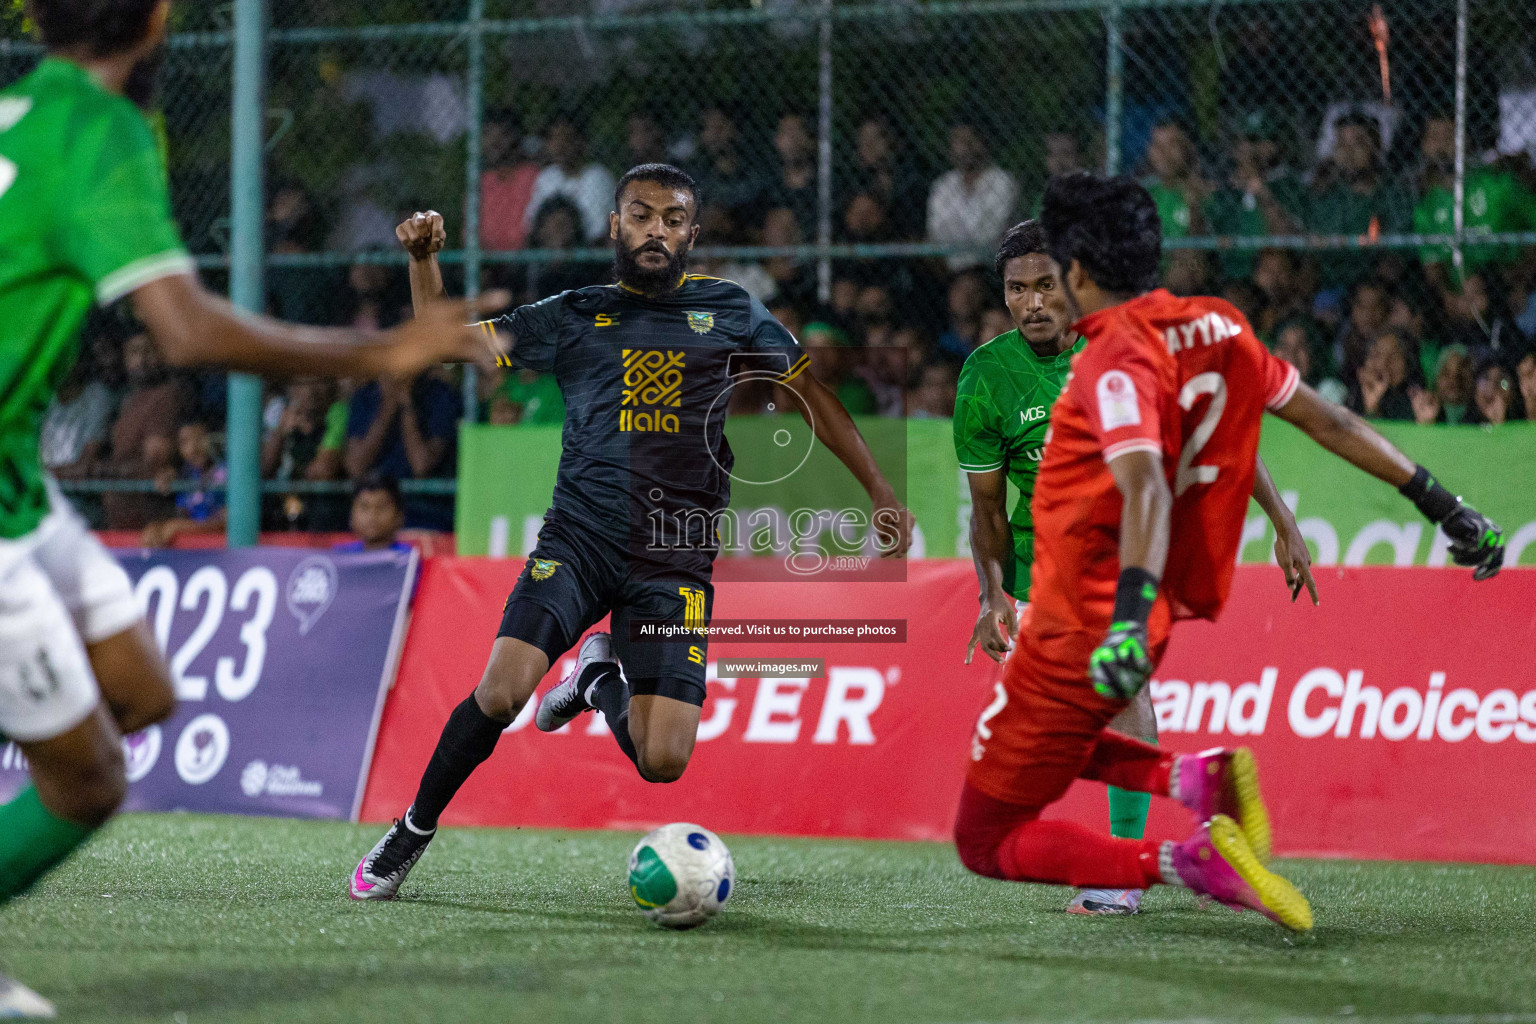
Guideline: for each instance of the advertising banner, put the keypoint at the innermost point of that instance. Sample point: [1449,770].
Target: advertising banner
[506,475]
[281,659]
[1397,720]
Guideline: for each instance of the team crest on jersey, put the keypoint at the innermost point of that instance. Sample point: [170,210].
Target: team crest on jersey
[702,323]
[544,568]
[1117,401]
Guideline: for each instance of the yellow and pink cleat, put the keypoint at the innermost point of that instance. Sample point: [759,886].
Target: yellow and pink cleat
[1217,861]
[1222,781]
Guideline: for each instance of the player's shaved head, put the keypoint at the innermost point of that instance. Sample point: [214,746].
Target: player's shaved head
[1109,226]
[674,179]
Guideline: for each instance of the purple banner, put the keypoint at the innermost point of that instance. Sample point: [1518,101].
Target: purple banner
[281,660]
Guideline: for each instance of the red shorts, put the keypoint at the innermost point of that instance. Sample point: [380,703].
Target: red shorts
[1038,732]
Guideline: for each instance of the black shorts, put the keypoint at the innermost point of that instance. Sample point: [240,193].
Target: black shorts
[575,576]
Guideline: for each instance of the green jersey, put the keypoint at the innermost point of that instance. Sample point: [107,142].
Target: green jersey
[1492,203]
[84,215]
[1172,207]
[1002,412]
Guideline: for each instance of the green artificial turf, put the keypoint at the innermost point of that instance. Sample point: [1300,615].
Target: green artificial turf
[187,919]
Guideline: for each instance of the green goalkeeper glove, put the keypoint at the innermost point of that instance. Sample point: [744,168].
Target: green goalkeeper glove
[1121,666]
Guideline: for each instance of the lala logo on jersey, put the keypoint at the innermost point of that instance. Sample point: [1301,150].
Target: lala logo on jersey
[702,323]
[1117,401]
[653,377]
[543,569]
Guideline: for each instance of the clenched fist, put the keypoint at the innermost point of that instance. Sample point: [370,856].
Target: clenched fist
[422,234]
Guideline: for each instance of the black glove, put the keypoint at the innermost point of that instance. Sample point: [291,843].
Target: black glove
[1475,539]
[1121,665]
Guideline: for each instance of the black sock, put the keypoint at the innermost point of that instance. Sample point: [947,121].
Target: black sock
[467,740]
[610,696]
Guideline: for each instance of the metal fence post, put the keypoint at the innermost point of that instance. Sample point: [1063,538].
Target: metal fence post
[1114,87]
[246,284]
[824,158]
[475,101]
[1459,185]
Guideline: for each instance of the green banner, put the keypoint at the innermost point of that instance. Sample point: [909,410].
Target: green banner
[506,475]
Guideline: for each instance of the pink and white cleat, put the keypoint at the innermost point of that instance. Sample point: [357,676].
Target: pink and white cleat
[1106,902]
[1216,861]
[1222,781]
[378,876]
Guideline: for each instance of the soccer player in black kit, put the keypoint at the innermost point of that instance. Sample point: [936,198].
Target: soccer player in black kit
[641,364]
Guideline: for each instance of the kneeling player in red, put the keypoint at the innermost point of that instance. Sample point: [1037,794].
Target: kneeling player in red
[1138,511]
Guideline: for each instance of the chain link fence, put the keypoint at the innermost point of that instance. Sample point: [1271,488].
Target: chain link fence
[859,161]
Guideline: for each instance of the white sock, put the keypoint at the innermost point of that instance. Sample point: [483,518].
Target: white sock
[1165,864]
[406,820]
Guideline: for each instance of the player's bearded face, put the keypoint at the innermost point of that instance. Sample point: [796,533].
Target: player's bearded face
[646,264]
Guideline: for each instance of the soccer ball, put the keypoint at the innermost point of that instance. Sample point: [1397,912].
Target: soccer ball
[681,875]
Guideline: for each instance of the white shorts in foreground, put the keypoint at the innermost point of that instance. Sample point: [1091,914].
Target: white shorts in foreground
[59,590]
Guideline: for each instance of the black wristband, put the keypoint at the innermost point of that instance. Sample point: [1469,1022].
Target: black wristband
[1134,595]
[1434,501]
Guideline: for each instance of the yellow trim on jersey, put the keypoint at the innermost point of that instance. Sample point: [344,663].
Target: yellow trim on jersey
[708,277]
[796,370]
[488,328]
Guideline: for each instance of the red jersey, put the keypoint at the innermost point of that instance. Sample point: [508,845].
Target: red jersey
[1186,378]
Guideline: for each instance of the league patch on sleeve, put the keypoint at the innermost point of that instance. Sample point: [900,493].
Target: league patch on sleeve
[1117,401]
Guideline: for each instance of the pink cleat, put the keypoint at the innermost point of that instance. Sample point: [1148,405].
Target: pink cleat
[378,875]
[1221,781]
[1216,861]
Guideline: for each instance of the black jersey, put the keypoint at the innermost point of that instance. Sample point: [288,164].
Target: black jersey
[646,382]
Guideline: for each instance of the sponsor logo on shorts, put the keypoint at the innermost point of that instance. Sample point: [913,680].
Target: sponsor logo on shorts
[202,749]
[693,609]
[311,589]
[543,569]
[261,779]
[141,751]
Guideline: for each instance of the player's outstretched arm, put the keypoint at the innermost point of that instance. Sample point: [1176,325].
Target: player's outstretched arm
[835,429]
[1122,664]
[1290,548]
[194,327]
[423,236]
[991,542]
[1475,540]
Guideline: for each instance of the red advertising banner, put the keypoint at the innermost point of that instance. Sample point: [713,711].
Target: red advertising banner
[1398,720]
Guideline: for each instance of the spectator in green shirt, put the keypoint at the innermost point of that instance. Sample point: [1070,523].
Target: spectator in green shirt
[1449,401]
[1261,196]
[1175,182]
[1494,201]
[827,344]
[1352,196]
[527,396]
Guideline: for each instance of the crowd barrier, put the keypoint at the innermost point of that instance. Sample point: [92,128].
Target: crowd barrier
[1397,720]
